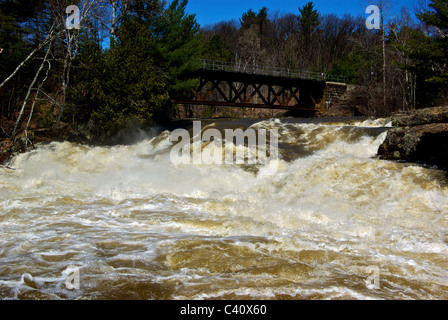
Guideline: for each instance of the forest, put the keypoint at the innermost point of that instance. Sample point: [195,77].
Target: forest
[129,58]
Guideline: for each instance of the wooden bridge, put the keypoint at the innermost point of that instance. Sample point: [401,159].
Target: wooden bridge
[232,85]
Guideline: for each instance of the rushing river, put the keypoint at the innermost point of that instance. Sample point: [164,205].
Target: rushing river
[333,222]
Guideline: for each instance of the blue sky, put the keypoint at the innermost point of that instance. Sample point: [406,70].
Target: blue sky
[212,11]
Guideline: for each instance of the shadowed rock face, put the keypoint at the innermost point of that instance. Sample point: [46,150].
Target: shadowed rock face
[421,136]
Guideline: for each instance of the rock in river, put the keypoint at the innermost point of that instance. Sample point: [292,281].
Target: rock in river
[420,136]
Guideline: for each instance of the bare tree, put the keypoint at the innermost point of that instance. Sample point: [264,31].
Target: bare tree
[71,52]
[50,37]
[30,88]
[36,97]
[53,16]
[109,13]
[407,78]
[251,53]
[384,6]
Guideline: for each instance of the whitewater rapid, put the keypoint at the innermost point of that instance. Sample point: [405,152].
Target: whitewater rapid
[328,221]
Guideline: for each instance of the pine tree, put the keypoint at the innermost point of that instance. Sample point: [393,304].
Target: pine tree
[427,53]
[128,85]
[435,49]
[308,20]
[15,45]
[215,49]
[178,46]
[153,47]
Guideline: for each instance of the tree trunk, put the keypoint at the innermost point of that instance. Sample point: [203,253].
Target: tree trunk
[35,99]
[65,81]
[72,40]
[36,76]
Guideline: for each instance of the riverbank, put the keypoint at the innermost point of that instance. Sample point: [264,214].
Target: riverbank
[131,132]
[420,136]
[25,141]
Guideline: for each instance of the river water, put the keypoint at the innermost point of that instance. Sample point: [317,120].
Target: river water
[124,222]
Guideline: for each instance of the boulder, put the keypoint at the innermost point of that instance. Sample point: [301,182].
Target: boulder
[420,137]
[421,117]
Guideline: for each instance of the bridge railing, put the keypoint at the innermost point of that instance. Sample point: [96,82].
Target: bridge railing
[270,71]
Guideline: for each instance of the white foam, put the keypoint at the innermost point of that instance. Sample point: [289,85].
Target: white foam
[337,198]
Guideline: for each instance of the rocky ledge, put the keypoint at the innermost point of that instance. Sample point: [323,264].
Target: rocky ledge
[420,136]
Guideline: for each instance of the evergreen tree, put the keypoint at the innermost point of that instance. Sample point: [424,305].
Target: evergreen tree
[215,49]
[15,45]
[178,46]
[308,21]
[153,47]
[251,37]
[250,17]
[427,53]
[127,84]
[435,49]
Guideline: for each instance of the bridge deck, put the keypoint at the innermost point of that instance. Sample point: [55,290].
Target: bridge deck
[213,65]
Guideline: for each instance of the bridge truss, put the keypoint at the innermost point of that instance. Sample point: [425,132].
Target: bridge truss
[225,84]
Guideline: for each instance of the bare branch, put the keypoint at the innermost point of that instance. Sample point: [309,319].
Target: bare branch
[50,37]
[36,98]
[28,93]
